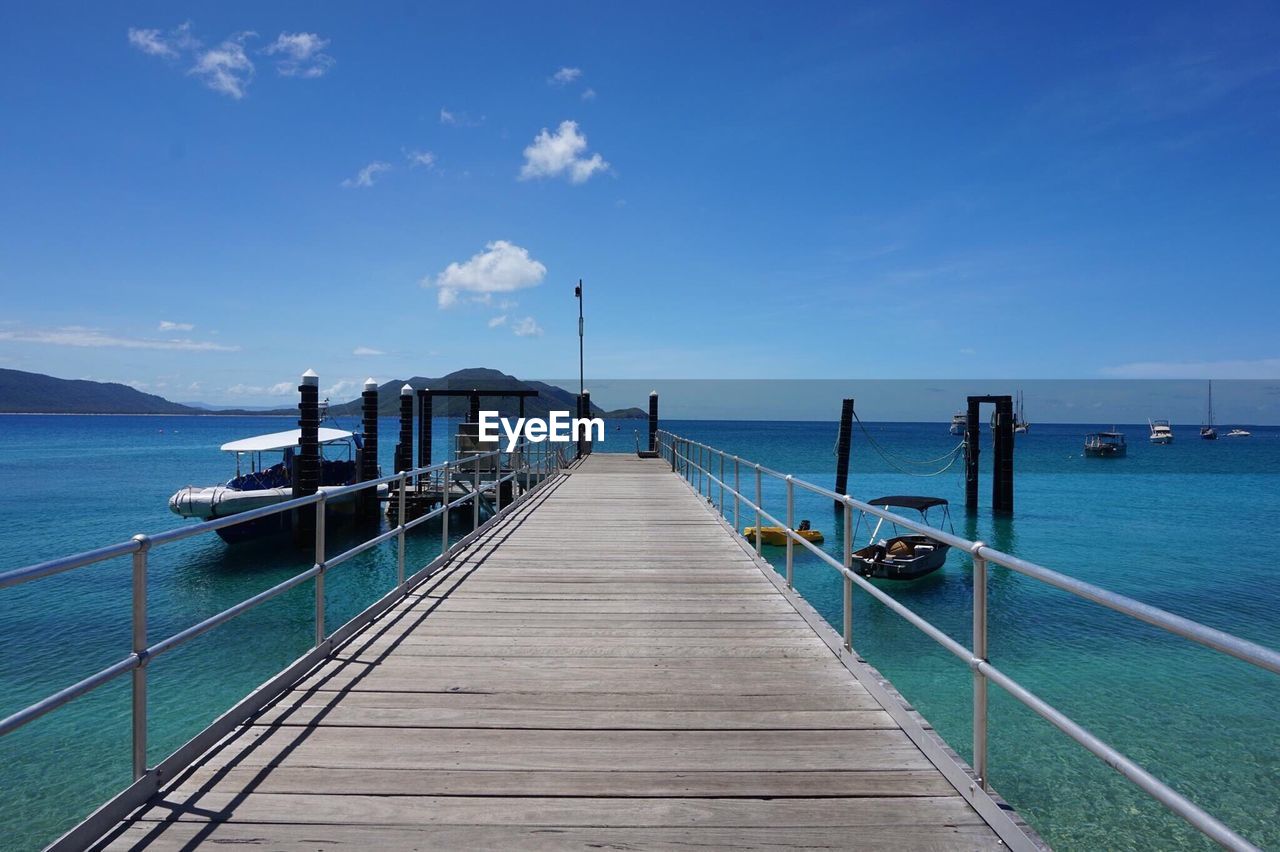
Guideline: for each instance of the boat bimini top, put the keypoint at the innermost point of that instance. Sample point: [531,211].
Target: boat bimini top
[282,441]
[920,504]
[901,501]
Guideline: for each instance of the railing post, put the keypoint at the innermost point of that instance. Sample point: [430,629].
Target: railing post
[140,648]
[848,580]
[445,488]
[673,454]
[475,495]
[400,555]
[979,679]
[791,525]
[737,493]
[497,486]
[759,503]
[319,560]
[722,512]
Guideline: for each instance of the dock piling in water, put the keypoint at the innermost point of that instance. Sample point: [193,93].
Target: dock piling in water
[843,439]
[404,449]
[1002,450]
[306,480]
[653,420]
[369,447]
[424,427]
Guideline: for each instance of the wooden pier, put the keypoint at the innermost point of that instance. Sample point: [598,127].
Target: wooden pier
[605,666]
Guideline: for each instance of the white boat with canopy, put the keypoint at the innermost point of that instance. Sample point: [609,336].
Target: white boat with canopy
[260,482]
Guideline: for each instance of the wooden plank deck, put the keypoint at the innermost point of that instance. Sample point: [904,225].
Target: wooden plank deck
[605,667]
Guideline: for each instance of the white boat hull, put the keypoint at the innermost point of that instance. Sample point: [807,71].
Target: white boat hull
[219,501]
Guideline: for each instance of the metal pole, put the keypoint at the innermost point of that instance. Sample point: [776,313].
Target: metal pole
[140,647]
[737,493]
[759,503]
[497,486]
[319,559]
[445,484]
[791,525]
[722,512]
[581,328]
[475,495]
[979,679]
[848,581]
[400,555]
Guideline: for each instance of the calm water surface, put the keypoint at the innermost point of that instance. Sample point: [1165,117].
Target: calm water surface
[1188,527]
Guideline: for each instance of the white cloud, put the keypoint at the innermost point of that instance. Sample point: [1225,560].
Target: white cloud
[526,327]
[155,43]
[226,68]
[564,76]
[420,158]
[1262,368]
[278,389]
[339,387]
[589,95]
[366,350]
[80,336]
[559,154]
[300,55]
[366,176]
[165,325]
[501,268]
[497,321]
[459,119]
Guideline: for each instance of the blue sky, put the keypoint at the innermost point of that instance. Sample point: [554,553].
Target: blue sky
[749,190]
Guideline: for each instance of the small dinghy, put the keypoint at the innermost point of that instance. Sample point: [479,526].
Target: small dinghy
[269,484]
[903,557]
[777,536]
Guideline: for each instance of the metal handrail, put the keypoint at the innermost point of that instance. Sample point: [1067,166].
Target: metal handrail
[682,451]
[533,459]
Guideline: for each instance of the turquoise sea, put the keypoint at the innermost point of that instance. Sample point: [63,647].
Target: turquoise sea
[1190,527]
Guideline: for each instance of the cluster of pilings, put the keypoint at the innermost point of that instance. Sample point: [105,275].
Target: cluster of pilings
[422,497]
[1002,434]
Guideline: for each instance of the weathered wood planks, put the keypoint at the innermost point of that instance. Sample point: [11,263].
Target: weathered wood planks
[606,668]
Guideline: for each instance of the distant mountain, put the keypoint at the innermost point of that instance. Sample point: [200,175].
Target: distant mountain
[35,393]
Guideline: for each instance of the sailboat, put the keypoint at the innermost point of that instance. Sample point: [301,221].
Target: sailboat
[1207,431]
[1020,424]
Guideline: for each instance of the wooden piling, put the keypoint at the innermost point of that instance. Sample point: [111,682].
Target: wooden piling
[971,452]
[843,439]
[306,467]
[1002,454]
[653,420]
[404,449]
[369,448]
[424,427]
[1002,458]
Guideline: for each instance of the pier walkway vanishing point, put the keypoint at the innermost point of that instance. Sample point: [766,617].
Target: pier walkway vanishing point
[606,665]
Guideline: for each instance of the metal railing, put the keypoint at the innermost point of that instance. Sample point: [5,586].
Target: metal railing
[693,461]
[531,465]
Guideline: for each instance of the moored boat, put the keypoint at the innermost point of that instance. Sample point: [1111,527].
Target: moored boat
[777,536]
[1207,431]
[1105,445]
[1238,433]
[959,422]
[269,483]
[1161,431]
[903,557]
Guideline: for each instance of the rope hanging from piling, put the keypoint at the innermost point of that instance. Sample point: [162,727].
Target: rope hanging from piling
[951,457]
